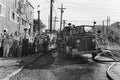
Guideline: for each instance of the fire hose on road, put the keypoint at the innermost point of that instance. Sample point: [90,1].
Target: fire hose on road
[109,75]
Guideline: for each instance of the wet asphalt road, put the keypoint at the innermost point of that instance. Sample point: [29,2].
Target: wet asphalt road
[48,67]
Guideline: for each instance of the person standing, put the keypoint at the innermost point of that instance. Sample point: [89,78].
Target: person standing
[1,45]
[14,48]
[7,43]
[46,43]
[25,43]
[31,46]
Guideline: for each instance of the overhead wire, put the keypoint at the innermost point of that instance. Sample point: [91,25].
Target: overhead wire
[74,5]
[47,1]
[37,2]
[43,9]
[55,11]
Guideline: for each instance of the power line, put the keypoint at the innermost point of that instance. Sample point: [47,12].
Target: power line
[45,8]
[47,1]
[79,20]
[62,10]
[37,2]
[55,11]
[55,20]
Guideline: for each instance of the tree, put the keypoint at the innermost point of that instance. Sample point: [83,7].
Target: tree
[35,25]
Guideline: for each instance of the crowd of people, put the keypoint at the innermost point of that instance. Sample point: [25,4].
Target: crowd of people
[22,45]
[111,37]
[25,44]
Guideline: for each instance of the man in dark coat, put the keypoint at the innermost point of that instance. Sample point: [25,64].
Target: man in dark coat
[46,43]
[25,43]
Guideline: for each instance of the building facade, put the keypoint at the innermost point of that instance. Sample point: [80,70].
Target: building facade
[15,15]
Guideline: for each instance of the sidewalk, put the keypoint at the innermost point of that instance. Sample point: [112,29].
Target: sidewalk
[9,65]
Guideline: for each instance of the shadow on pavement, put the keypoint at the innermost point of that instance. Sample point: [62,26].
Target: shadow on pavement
[76,59]
[43,62]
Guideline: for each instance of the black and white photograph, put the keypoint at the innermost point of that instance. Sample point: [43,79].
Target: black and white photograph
[59,40]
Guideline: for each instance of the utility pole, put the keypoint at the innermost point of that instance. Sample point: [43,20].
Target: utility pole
[103,28]
[62,10]
[55,20]
[48,22]
[39,18]
[94,24]
[51,9]
[20,6]
[108,23]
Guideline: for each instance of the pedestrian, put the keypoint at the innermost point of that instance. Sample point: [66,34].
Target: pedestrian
[14,48]
[46,43]
[25,43]
[35,44]
[7,43]
[1,45]
[31,46]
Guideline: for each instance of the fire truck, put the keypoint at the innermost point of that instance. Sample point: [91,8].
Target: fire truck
[78,40]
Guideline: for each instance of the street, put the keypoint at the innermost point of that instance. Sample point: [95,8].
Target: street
[59,40]
[56,66]
[50,68]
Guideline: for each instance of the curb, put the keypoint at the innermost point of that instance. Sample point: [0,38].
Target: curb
[20,69]
[110,77]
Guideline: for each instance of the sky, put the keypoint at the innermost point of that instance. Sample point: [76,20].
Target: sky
[79,12]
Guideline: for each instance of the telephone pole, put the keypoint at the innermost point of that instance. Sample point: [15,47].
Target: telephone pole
[39,18]
[48,22]
[103,23]
[62,10]
[51,9]
[55,20]
[108,23]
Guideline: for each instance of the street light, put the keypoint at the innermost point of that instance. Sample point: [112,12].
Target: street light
[94,23]
[38,9]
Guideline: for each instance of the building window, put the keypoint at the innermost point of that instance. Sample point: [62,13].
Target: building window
[13,15]
[23,22]
[16,3]
[30,14]
[2,10]
[18,19]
